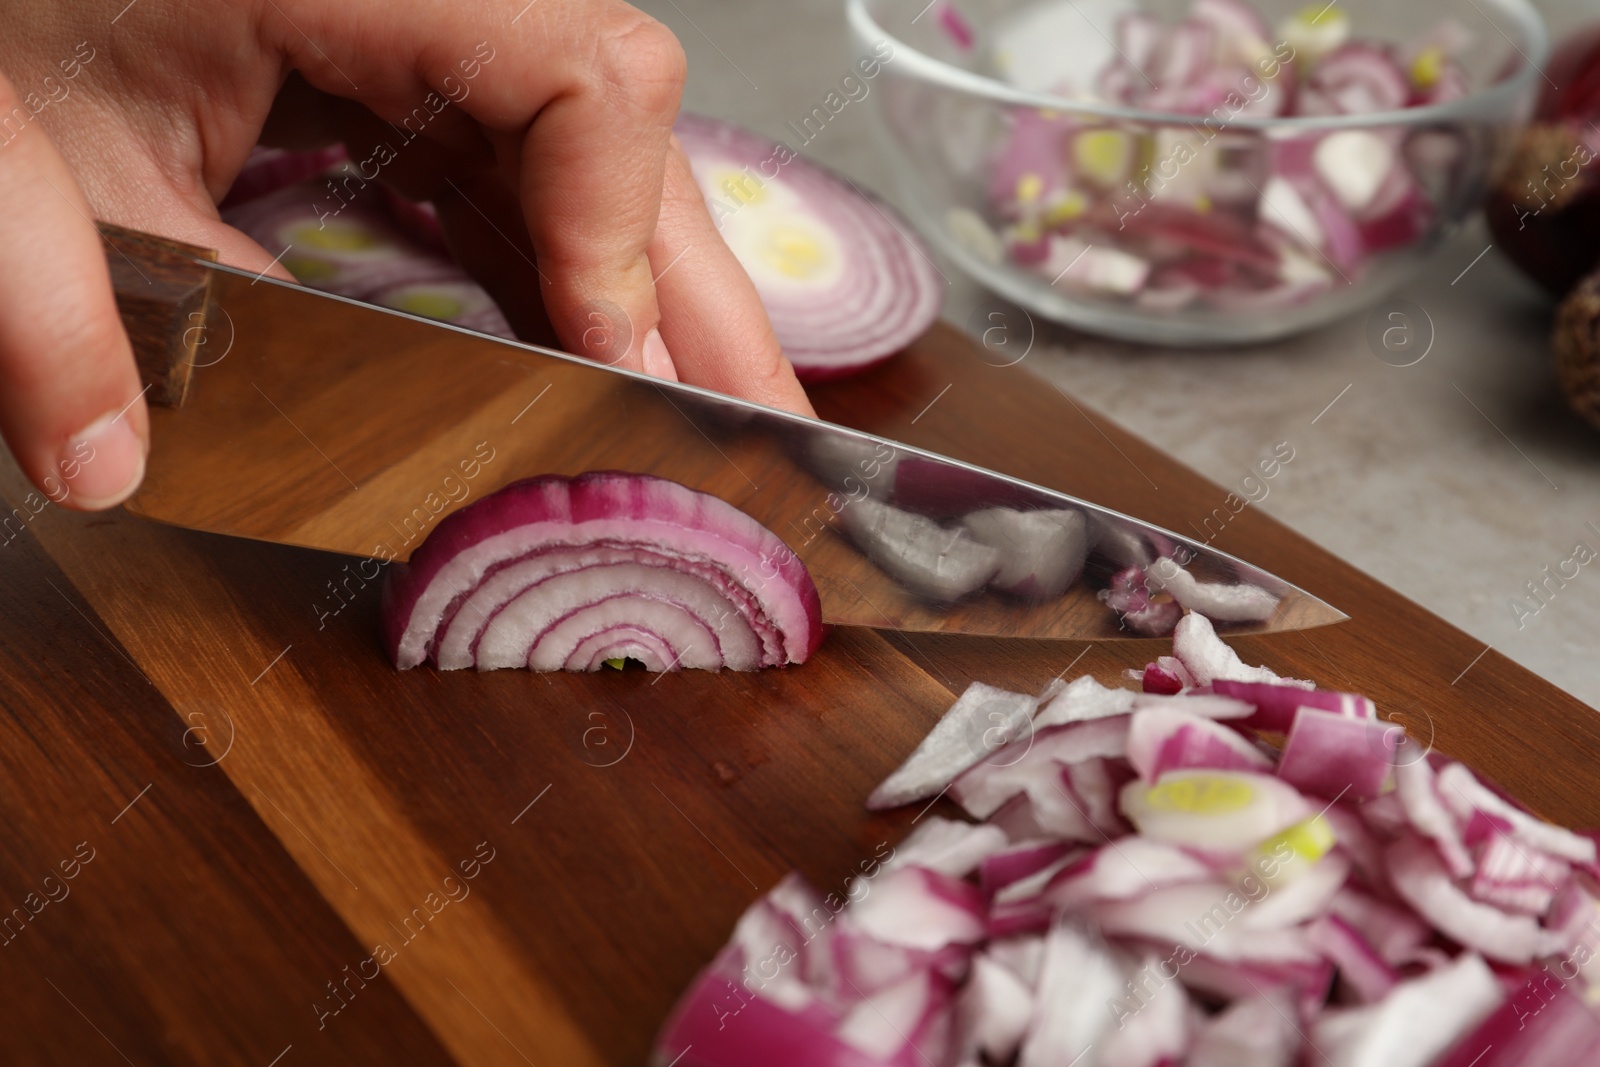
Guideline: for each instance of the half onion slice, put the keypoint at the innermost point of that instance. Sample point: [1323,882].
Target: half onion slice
[559,573]
[844,280]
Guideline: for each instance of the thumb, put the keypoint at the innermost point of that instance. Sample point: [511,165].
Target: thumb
[71,407]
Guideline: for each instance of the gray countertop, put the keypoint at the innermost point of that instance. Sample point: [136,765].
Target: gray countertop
[1456,480]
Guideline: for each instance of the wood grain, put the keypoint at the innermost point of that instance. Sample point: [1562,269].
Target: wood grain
[630,818]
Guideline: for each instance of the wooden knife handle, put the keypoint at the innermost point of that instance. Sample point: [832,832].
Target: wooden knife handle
[164,298]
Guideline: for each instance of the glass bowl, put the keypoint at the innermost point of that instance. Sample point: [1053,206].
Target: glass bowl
[1047,147]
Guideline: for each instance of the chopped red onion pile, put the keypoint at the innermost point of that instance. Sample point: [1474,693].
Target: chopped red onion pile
[560,573]
[843,278]
[1150,883]
[343,235]
[1203,213]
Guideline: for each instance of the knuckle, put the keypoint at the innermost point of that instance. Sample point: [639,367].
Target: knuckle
[641,61]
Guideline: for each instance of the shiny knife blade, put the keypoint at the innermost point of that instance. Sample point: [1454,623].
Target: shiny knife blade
[314,420]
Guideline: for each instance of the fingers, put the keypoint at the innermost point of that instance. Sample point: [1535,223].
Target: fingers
[71,408]
[483,226]
[577,98]
[591,181]
[711,317]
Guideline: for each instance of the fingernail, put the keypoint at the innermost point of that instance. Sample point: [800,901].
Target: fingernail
[103,463]
[657,360]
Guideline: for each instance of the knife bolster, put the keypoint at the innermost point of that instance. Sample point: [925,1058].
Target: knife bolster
[164,298]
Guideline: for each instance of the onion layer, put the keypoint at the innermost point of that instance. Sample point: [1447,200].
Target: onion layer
[844,280]
[558,573]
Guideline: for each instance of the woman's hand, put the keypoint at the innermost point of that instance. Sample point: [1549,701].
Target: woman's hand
[553,168]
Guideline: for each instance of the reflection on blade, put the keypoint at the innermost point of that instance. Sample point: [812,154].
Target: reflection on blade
[364,426]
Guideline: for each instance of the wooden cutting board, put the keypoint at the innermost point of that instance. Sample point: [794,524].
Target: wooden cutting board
[281,827]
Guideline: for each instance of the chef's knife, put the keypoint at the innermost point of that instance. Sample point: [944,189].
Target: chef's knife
[284,414]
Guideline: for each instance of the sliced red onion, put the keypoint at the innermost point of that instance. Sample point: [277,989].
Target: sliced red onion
[1386,815]
[1041,552]
[769,935]
[357,250]
[1197,702]
[1304,982]
[1122,870]
[1098,782]
[1545,1023]
[1256,1031]
[1276,702]
[940,491]
[951,848]
[1077,980]
[1028,889]
[1418,791]
[1242,35]
[1031,166]
[1313,32]
[1417,1021]
[1356,79]
[1196,644]
[933,561]
[1360,966]
[844,280]
[1020,918]
[723,1027]
[982,789]
[995,1010]
[1186,54]
[1517,878]
[1081,701]
[836,459]
[1075,264]
[1421,879]
[1217,601]
[270,169]
[1399,214]
[1357,841]
[1394,932]
[1021,861]
[808,913]
[1464,794]
[978,724]
[1023,955]
[956,27]
[1285,209]
[1214,811]
[896,1024]
[1129,596]
[1062,810]
[1333,756]
[1167,739]
[1238,894]
[463,303]
[1042,48]
[920,909]
[1353,164]
[1302,891]
[1166,676]
[1209,918]
[559,572]
[1162,1032]
[861,965]
[1139,39]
